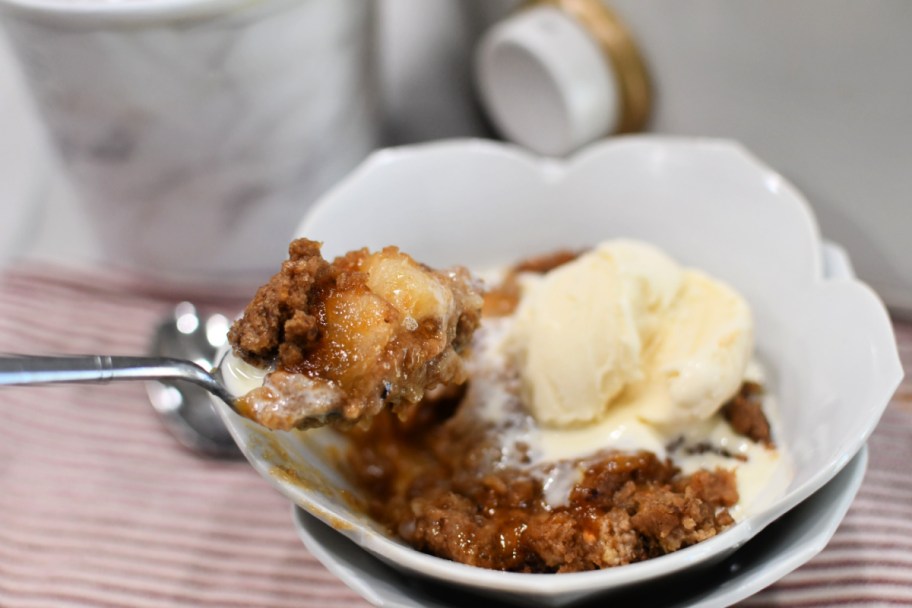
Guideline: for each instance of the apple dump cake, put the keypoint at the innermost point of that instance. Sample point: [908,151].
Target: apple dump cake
[612,410]
[346,337]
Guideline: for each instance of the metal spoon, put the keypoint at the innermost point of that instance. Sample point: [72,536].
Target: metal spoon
[183,348]
[185,408]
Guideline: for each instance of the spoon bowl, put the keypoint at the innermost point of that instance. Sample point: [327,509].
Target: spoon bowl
[186,409]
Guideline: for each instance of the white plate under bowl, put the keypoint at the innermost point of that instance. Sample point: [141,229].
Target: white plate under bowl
[827,343]
[789,542]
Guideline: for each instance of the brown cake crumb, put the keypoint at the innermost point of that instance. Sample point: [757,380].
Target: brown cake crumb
[349,336]
[501,300]
[434,486]
[547,262]
[745,414]
[284,300]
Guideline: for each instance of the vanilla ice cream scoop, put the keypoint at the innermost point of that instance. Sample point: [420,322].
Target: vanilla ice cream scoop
[576,340]
[696,359]
[626,323]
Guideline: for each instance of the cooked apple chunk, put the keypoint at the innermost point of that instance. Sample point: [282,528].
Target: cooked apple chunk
[349,336]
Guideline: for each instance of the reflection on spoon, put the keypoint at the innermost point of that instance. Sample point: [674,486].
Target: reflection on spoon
[186,409]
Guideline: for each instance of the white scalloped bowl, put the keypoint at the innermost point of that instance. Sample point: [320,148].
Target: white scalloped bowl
[828,344]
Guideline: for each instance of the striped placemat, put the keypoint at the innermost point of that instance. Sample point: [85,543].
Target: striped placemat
[100,507]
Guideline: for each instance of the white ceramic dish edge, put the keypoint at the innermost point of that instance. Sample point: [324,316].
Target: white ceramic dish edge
[551,171]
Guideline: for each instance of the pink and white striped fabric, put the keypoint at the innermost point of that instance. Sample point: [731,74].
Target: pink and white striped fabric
[100,507]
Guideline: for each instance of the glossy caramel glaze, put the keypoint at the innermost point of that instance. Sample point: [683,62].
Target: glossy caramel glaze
[350,336]
[433,484]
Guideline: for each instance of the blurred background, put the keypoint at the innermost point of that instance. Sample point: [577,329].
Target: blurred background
[819,90]
[153,151]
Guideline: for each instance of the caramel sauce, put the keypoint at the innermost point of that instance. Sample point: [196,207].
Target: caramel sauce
[429,480]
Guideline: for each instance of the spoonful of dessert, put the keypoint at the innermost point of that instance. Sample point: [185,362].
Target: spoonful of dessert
[322,342]
[343,339]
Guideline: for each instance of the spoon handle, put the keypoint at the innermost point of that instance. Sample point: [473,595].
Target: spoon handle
[22,369]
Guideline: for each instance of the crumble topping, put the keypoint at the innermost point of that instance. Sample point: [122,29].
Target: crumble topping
[349,336]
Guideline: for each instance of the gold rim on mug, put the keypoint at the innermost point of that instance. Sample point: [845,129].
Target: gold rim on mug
[620,48]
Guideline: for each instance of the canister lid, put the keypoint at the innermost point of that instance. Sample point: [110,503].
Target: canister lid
[557,75]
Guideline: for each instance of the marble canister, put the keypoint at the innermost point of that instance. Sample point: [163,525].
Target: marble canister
[197,132]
